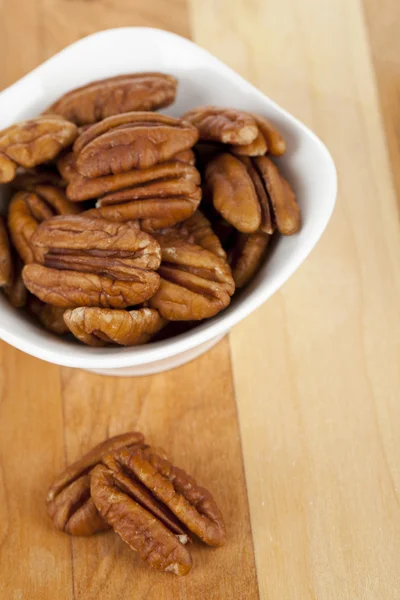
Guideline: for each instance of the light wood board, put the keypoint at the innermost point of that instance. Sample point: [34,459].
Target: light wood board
[294,422]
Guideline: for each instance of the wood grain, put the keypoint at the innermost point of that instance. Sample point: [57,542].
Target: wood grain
[317,368]
[49,416]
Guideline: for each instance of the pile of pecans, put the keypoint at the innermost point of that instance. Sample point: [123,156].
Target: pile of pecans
[127,225]
[128,486]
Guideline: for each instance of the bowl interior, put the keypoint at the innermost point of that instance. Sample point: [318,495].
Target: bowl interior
[203,79]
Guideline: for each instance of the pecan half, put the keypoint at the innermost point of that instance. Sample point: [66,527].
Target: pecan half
[29,208]
[252,195]
[5,256]
[197,229]
[146,535]
[283,201]
[92,262]
[193,505]
[68,500]
[233,192]
[130,141]
[224,125]
[33,142]
[101,326]
[123,93]
[247,256]
[195,283]
[51,317]
[248,133]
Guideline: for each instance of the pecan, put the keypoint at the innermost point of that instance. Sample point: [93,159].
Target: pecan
[247,256]
[224,125]
[92,262]
[252,195]
[29,208]
[197,229]
[233,192]
[195,283]
[123,93]
[146,535]
[5,256]
[129,141]
[151,504]
[33,142]
[51,317]
[101,326]
[248,133]
[68,500]
[16,291]
[158,196]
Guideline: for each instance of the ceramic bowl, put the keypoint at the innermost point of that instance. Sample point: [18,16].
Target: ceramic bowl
[203,79]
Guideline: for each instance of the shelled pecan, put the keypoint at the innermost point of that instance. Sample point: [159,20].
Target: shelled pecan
[248,133]
[92,262]
[28,209]
[69,504]
[246,191]
[151,504]
[195,283]
[131,141]
[102,326]
[33,142]
[247,256]
[123,93]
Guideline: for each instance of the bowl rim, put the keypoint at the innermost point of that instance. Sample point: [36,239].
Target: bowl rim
[114,358]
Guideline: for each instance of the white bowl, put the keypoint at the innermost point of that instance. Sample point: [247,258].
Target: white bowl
[203,79]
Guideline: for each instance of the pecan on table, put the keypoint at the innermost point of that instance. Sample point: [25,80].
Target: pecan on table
[176,500]
[5,256]
[33,142]
[92,262]
[195,283]
[102,326]
[252,195]
[68,500]
[247,256]
[32,206]
[51,317]
[123,93]
[248,134]
[131,141]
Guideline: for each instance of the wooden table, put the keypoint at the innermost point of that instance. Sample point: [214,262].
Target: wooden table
[294,420]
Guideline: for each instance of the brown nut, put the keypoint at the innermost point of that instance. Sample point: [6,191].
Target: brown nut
[268,139]
[5,256]
[224,125]
[101,326]
[68,500]
[123,93]
[283,201]
[193,505]
[29,208]
[92,262]
[138,527]
[33,142]
[233,192]
[195,283]
[197,230]
[131,141]
[247,256]
[51,317]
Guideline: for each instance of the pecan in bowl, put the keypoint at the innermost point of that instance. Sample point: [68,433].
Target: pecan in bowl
[123,93]
[81,261]
[30,143]
[132,140]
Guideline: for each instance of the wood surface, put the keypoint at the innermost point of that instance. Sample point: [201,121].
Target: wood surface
[304,394]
